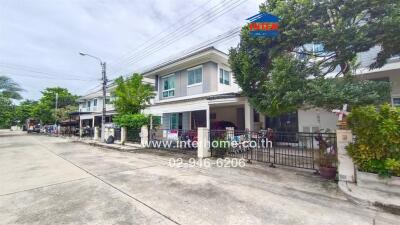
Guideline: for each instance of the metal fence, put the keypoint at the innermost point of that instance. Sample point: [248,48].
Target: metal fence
[88,132]
[295,149]
[173,139]
[133,135]
[117,134]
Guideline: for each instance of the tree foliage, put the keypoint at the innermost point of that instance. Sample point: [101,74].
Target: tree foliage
[132,95]
[131,120]
[267,69]
[24,110]
[45,109]
[9,89]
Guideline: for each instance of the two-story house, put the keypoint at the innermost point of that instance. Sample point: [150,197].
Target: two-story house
[91,107]
[199,90]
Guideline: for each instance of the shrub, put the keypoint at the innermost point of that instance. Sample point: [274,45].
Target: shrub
[377,145]
[131,120]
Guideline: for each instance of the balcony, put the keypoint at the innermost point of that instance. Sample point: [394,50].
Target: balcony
[90,109]
[109,107]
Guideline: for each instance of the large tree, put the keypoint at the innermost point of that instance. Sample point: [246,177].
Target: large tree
[45,109]
[23,111]
[9,91]
[277,81]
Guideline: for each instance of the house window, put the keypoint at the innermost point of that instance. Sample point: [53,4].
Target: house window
[95,102]
[168,86]
[88,104]
[396,102]
[174,121]
[195,76]
[224,77]
[108,100]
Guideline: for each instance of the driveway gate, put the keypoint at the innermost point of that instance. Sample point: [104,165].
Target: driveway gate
[295,149]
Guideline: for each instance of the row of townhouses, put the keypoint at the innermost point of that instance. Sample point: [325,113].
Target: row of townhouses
[199,90]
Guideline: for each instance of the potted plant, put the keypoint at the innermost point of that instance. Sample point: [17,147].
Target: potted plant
[327,158]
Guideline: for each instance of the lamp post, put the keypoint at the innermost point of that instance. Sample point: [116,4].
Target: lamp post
[104,83]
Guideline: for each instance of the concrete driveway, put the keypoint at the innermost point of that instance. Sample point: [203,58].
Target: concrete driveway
[47,180]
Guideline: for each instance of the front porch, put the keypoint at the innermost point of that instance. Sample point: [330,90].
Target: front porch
[211,114]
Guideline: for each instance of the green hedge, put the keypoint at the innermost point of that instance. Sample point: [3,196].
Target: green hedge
[377,145]
[131,120]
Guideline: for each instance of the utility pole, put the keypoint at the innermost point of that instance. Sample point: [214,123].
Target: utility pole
[55,111]
[104,84]
[103,116]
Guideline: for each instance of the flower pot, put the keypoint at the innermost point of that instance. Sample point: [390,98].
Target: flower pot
[327,172]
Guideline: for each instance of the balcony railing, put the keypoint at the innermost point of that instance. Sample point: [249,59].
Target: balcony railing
[109,107]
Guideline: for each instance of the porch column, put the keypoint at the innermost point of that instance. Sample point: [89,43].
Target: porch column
[208,117]
[248,116]
[80,127]
[262,121]
[203,143]
[93,121]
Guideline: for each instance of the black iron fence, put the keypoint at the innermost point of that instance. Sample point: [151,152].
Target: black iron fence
[88,132]
[133,135]
[296,149]
[173,139]
[117,134]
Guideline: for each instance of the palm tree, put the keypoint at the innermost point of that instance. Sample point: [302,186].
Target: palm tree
[9,89]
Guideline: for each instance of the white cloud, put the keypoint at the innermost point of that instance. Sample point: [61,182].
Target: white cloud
[48,35]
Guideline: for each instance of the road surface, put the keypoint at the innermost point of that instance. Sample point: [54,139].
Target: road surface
[49,180]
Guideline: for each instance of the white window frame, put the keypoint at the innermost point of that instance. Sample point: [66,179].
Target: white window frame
[177,121]
[95,102]
[229,76]
[195,68]
[395,97]
[168,90]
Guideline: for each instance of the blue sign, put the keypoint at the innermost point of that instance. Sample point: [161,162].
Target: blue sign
[264,25]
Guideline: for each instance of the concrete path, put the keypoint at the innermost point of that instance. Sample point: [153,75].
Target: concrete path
[48,180]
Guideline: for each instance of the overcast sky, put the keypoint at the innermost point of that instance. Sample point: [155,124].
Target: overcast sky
[40,40]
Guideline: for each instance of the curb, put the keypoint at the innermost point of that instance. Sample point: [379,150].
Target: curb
[107,146]
[375,205]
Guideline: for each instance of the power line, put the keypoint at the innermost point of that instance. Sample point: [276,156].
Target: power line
[42,77]
[137,48]
[218,39]
[35,70]
[188,28]
[193,25]
[151,51]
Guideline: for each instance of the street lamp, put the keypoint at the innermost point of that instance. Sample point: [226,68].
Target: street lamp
[104,83]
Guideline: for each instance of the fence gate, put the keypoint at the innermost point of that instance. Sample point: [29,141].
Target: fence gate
[294,149]
[173,139]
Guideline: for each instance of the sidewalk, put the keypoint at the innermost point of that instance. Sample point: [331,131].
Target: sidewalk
[117,146]
[370,198]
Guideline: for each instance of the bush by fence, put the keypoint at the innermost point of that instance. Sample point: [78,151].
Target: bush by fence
[377,145]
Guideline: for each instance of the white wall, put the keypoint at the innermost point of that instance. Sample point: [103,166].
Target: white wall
[316,119]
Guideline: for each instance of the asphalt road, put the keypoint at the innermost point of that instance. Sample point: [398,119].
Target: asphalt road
[48,180]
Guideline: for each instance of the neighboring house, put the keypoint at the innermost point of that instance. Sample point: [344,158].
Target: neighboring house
[314,119]
[91,107]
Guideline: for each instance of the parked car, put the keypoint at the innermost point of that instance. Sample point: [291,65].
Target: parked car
[222,125]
